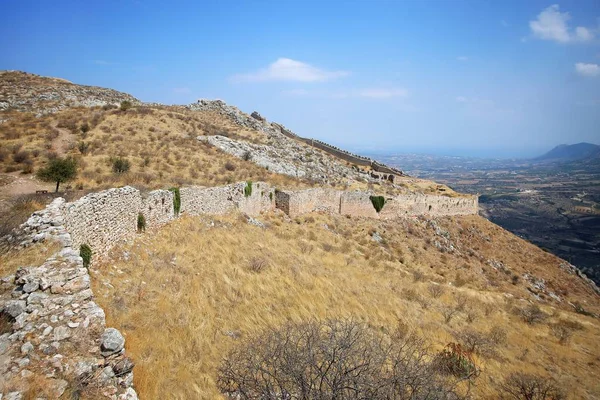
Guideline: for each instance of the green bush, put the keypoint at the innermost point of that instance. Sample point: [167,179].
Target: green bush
[59,170]
[248,189]
[126,105]
[176,200]
[378,202]
[120,165]
[141,223]
[85,252]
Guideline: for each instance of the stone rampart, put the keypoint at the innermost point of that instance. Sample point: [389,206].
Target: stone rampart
[220,200]
[157,208]
[357,204]
[424,204]
[299,202]
[102,219]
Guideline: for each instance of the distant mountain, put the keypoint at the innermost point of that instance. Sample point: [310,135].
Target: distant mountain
[572,152]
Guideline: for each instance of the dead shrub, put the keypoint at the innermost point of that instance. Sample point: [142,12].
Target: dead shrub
[21,156]
[258,264]
[436,290]
[532,314]
[334,359]
[531,387]
[229,166]
[564,329]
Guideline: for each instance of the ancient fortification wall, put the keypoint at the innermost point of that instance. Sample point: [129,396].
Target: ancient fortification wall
[37,295]
[358,204]
[102,219]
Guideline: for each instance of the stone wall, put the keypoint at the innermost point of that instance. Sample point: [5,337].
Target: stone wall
[102,219]
[223,199]
[157,208]
[358,204]
[299,202]
[424,204]
[58,336]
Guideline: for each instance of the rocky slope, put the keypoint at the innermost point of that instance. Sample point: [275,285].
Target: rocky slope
[22,91]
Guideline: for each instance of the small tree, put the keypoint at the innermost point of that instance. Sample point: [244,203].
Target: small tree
[378,202]
[85,252]
[59,170]
[126,105]
[120,165]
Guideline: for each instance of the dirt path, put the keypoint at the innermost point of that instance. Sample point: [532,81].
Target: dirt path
[63,141]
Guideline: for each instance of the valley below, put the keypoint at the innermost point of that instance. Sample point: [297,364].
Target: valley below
[555,205]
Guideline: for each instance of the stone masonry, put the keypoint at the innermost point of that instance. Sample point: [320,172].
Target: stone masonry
[58,332]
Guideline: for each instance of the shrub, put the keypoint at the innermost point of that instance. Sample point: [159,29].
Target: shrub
[141,223]
[85,128]
[229,166]
[531,387]
[85,252]
[563,330]
[21,156]
[378,202]
[247,156]
[436,290]
[83,147]
[334,359]
[532,314]
[455,360]
[59,170]
[257,264]
[120,165]
[126,105]
[248,189]
[176,200]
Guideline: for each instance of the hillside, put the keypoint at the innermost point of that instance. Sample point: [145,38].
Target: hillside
[261,229]
[573,152]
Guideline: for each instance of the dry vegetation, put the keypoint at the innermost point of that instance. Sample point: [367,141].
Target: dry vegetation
[200,287]
[159,143]
[33,256]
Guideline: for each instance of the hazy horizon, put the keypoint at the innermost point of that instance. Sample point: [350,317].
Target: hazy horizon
[510,79]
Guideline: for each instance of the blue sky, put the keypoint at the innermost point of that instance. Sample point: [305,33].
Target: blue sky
[502,78]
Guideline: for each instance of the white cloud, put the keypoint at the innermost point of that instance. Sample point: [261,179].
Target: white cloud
[591,70]
[285,69]
[101,62]
[462,58]
[461,99]
[504,23]
[551,24]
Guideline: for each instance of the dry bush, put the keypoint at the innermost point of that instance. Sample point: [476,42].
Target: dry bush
[564,329]
[436,290]
[523,386]
[448,312]
[258,264]
[532,314]
[334,359]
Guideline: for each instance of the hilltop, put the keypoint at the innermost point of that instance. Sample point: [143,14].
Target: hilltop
[261,228]
[573,152]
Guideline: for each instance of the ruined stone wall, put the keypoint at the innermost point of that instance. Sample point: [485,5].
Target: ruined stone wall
[339,153]
[424,204]
[299,202]
[357,204]
[157,208]
[197,200]
[58,334]
[102,219]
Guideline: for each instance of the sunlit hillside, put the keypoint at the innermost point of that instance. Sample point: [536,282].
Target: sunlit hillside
[186,295]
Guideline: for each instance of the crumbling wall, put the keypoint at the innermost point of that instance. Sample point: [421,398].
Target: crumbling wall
[425,204]
[299,202]
[223,199]
[357,204]
[102,219]
[157,208]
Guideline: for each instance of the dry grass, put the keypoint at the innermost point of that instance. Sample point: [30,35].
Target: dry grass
[186,294]
[32,256]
